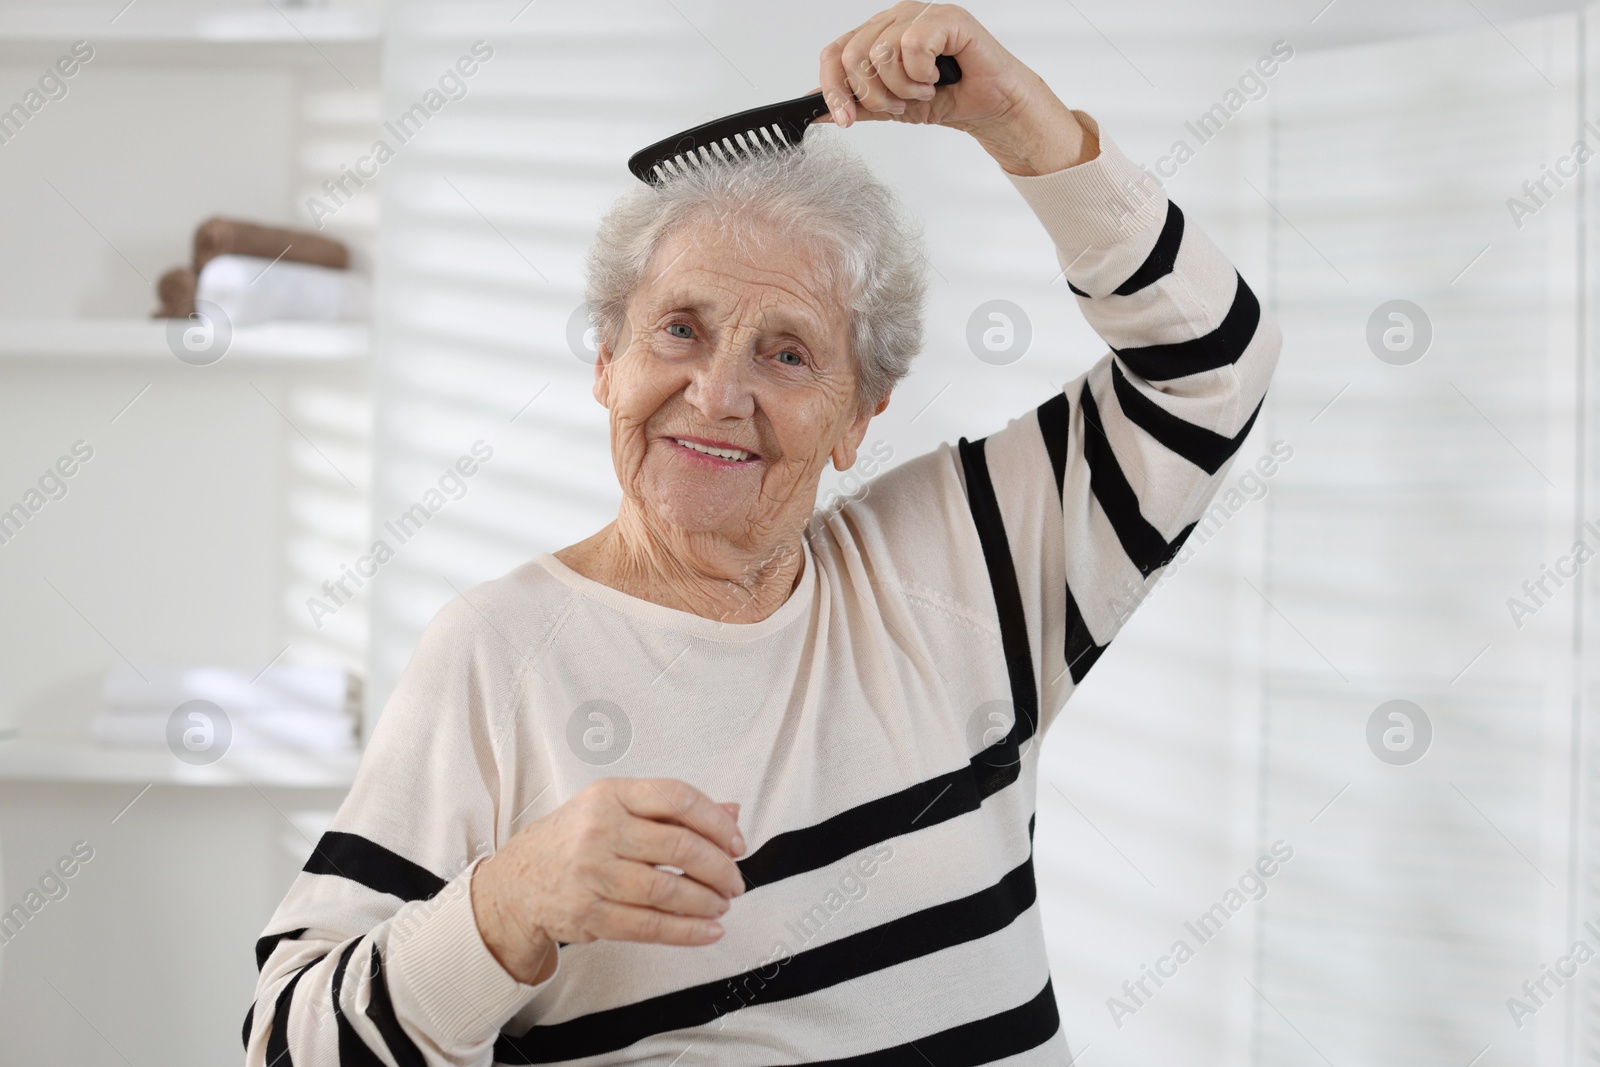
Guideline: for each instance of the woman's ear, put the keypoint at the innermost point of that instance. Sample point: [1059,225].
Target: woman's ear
[844,452]
[605,360]
[602,374]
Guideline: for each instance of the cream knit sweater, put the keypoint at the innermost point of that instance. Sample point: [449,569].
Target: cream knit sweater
[879,730]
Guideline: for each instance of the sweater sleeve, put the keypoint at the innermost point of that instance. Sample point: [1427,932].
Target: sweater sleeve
[1094,492]
[374,955]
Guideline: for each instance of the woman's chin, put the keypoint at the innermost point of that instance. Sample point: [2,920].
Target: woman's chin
[693,507]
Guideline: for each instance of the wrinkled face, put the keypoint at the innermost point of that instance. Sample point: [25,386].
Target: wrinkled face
[744,351]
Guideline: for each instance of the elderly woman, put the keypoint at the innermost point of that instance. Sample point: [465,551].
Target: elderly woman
[737,781]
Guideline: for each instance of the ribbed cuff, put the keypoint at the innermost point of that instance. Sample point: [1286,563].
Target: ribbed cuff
[444,973]
[1097,204]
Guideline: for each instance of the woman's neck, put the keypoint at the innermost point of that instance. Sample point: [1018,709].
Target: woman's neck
[703,574]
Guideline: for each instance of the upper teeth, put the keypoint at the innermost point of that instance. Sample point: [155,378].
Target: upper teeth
[724,453]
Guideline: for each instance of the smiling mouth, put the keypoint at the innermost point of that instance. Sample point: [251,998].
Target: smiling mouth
[716,452]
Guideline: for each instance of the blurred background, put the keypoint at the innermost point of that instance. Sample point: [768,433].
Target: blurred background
[1407,189]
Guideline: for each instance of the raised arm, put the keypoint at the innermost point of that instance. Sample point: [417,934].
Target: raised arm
[1081,502]
[1101,485]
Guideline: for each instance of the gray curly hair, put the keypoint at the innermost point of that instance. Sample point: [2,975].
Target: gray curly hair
[821,190]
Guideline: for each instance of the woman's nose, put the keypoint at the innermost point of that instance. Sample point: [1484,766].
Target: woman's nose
[720,387]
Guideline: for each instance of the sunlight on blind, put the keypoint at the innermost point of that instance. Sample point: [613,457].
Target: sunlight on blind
[1427,893]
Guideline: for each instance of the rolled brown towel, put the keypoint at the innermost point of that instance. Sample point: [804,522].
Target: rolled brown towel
[176,293]
[218,236]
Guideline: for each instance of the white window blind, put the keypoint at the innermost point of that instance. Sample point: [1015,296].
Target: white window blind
[1422,498]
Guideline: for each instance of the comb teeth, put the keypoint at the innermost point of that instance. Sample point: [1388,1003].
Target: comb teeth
[728,150]
[775,128]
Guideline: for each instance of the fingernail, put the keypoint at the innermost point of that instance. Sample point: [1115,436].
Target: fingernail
[738,842]
[712,929]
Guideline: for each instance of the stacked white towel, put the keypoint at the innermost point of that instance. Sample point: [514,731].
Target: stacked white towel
[308,709]
[250,289]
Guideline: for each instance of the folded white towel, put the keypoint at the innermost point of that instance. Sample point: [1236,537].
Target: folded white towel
[328,691]
[299,731]
[252,289]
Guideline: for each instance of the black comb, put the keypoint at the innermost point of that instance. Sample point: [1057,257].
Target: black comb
[761,129]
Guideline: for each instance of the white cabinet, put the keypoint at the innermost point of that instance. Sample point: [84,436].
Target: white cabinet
[217,499]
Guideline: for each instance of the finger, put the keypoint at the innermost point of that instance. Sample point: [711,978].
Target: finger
[922,42]
[671,800]
[627,922]
[641,885]
[887,61]
[860,68]
[835,87]
[862,76]
[651,842]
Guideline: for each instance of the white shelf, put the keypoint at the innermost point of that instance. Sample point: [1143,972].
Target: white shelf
[267,33]
[38,761]
[261,23]
[136,340]
[264,24]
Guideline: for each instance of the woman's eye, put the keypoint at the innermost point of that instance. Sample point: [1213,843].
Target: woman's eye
[795,355]
[681,329]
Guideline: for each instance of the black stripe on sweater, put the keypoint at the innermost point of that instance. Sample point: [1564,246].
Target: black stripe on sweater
[1221,347]
[278,1037]
[1055,426]
[916,807]
[1204,448]
[1007,1033]
[1081,651]
[380,1009]
[1143,543]
[897,941]
[369,863]
[1159,263]
[1183,535]
[266,945]
[985,508]
[353,1051]
[249,1020]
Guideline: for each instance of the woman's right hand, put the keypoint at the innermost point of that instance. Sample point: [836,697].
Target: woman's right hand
[587,872]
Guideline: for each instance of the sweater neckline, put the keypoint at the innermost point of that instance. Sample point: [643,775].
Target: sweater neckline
[647,611]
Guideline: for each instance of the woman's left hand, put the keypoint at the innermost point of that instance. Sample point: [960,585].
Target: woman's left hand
[884,70]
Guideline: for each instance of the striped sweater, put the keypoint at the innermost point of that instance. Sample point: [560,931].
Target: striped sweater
[879,729]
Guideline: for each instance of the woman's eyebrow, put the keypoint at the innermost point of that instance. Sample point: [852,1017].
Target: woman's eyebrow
[775,320]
